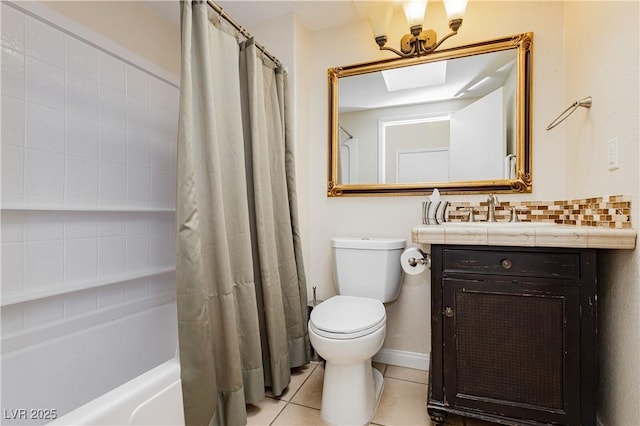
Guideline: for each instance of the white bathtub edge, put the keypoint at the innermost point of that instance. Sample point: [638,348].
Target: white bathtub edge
[133,400]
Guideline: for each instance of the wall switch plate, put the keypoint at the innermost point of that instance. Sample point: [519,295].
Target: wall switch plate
[614,154]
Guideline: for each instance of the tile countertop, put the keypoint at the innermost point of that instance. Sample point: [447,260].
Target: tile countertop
[525,235]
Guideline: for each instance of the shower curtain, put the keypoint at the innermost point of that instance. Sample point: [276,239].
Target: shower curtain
[240,279]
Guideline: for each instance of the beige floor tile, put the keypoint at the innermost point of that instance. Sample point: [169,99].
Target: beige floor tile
[455,420]
[298,415]
[379,366]
[264,412]
[298,377]
[402,404]
[475,422]
[310,393]
[409,374]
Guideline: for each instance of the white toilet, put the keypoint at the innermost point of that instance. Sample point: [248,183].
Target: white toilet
[348,330]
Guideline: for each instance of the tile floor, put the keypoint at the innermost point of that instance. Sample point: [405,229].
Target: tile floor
[403,400]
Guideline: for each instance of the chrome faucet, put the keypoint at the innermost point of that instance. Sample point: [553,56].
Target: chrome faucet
[491,208]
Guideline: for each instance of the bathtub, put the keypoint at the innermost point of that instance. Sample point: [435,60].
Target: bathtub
[153,398]
[121,370]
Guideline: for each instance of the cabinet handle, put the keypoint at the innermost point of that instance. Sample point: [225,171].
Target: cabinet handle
[506,263]
[448,312]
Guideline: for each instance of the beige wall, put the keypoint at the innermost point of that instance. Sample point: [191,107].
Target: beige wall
[607,68]
[132,24]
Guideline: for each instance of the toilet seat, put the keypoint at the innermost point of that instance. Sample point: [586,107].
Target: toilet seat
[347,317]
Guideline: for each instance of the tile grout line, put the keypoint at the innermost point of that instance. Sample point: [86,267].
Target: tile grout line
[292,396]
[406,380]
[290,401]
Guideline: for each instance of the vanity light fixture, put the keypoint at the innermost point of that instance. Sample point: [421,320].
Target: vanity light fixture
[419,42]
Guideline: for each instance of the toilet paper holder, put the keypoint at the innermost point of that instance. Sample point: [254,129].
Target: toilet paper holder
[424,260]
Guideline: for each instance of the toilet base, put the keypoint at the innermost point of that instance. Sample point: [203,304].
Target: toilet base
[351,393]
[378,384]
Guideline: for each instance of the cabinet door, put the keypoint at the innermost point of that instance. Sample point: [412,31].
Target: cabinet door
[512,348]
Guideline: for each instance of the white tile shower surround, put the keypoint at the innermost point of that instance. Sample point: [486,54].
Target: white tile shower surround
[81,126]
[88,151]
[42,250]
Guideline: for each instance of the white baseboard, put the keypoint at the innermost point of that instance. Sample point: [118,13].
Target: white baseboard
[416,360]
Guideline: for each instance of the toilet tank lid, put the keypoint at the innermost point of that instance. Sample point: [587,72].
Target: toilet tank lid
[368,243]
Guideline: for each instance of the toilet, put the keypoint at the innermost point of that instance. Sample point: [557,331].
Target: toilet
[347,330]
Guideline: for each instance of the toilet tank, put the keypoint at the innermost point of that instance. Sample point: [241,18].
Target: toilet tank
[368,267]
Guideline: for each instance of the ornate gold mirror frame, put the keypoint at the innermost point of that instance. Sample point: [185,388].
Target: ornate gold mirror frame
[521,181]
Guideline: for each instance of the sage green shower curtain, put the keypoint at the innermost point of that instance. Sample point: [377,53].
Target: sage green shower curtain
[240,279]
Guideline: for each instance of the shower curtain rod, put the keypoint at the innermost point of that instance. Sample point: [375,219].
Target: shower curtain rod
[220,11]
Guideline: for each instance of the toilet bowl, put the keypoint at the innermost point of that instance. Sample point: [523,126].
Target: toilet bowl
[347,330]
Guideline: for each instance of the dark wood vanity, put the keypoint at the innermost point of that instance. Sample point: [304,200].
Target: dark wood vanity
[513,334]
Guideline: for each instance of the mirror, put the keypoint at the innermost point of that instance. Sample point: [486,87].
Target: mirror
[457,120]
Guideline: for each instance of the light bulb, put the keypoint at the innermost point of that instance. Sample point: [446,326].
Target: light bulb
[379,14]
[414,11]
[455,8]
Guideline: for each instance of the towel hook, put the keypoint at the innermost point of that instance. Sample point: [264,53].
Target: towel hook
[584,102]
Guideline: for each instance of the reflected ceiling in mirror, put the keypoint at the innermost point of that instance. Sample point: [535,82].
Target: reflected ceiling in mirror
[457,120]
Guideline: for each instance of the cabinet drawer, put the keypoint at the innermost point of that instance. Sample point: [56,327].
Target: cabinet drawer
[520,263]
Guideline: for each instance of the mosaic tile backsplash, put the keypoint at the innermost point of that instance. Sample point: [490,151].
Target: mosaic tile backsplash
[612,211]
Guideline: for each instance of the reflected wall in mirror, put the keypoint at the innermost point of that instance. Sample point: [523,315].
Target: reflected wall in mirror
[458,120]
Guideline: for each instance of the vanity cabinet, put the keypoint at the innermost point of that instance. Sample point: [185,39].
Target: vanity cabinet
[513,334]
